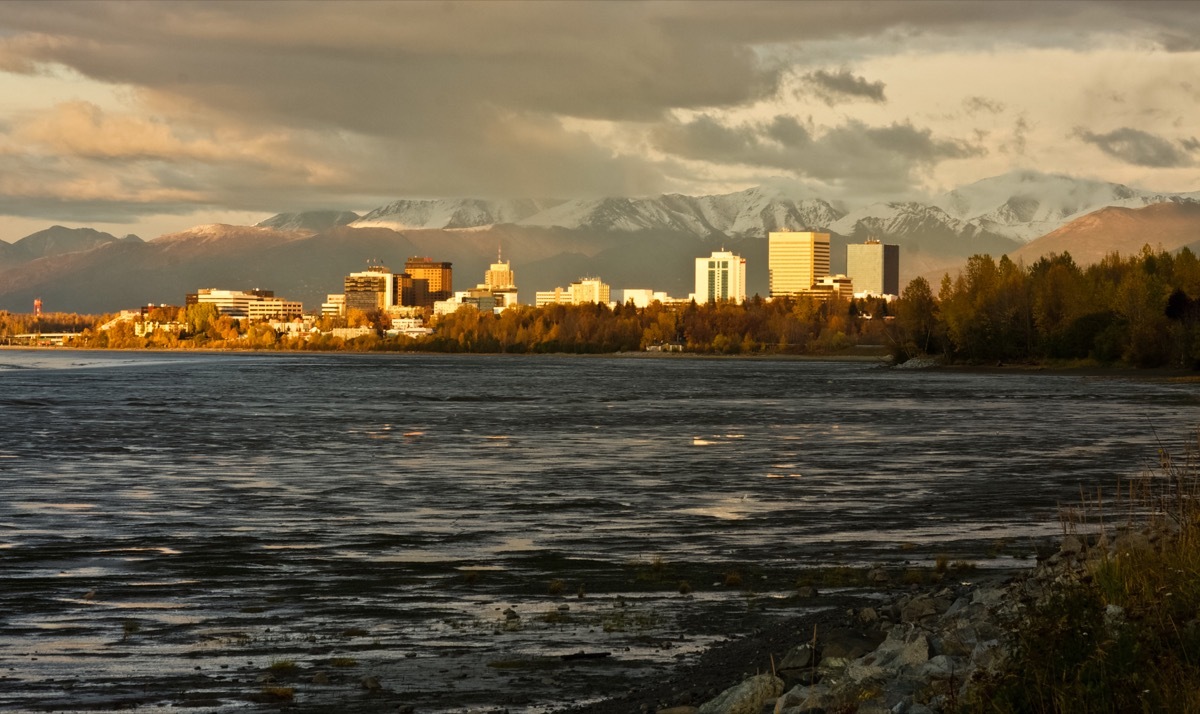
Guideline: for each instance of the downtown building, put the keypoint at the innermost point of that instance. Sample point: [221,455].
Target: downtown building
[500,281]
[254,305]
[422,283]
[580,292]
[796,261]
[432,281]
[497,292]
[369,290]
[874,267]
[720,277]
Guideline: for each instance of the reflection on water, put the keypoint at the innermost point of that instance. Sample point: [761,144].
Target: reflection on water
[281,501]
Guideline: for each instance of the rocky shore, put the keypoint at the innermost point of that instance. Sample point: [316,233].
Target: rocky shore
[915,650]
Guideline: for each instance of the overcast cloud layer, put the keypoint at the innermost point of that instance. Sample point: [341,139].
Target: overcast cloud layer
[171,114]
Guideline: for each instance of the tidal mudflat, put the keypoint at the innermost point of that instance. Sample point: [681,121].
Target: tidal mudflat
[237,532]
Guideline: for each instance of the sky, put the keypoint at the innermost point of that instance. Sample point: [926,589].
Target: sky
[152,117]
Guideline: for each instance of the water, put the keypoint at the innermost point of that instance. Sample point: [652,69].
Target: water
[171,525]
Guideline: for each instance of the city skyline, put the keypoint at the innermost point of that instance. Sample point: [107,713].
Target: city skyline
[154,117]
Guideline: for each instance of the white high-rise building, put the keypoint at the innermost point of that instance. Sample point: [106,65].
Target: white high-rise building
[721,276]
[796,260]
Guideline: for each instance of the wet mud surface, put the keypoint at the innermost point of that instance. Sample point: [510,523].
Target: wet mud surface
[350,533]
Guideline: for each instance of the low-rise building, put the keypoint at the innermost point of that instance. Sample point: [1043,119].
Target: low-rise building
[251,305]
[580,292]
[334,305]
[644,297]
[274,309]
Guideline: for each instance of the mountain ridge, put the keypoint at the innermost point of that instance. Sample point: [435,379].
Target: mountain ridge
[630,242]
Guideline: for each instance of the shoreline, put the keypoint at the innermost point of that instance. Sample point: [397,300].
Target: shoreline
[690,683]
[1026,369]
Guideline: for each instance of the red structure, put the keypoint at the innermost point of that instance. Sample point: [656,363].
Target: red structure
[37,307]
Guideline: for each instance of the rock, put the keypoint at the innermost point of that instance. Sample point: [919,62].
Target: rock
[877,575]
[903,650]
[1132,544]
[749,697]
[511,614]
[798,658]
[941,667]
[803,699]
[371,684]
[957,606]
[807,591]
[988,597]
[873,706]
[678,710]
[868,615]
[918,609]
[840,646]
[320,678]
[1070,546]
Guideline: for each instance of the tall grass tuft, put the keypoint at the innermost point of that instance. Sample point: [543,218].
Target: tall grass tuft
[1121,633]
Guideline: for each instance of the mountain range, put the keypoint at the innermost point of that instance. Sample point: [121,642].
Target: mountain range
[629,242]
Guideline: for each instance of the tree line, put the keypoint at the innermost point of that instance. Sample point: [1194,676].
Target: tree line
[1141,310]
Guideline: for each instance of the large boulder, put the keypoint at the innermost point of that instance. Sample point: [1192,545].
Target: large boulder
[749,697]
[802,698]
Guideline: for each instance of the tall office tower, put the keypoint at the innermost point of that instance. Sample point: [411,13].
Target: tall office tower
[874,267]
[721,276]
[499,279]
[796,260]
[372,289]
[437,276]
[500,275]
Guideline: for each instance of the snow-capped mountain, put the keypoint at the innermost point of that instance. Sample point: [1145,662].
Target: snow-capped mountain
[739,214]
[449,213]
[1024,205]
[993,214]
[755,211]
[312,221]
[889,220]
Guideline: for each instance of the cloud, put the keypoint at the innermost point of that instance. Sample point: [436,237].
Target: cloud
[842,86]
[1138,147]
[255,105]
[975,105]
[883,158]
[83,129]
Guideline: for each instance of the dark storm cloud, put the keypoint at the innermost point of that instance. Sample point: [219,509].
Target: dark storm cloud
[1138,147]
[884,158]
[842,86]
